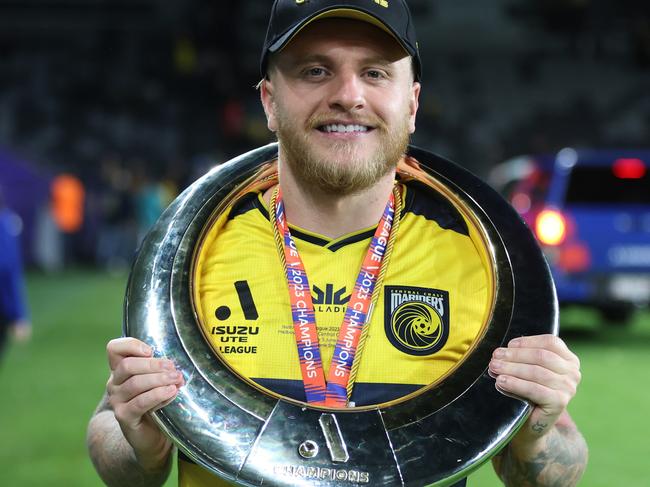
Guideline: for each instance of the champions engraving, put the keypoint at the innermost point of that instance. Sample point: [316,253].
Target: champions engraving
[322,473]
[416,319]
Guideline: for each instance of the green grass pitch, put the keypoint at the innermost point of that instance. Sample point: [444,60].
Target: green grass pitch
[50,386]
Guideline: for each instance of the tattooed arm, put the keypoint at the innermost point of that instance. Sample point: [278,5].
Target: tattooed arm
[556,459]
[126,447]
[548,450]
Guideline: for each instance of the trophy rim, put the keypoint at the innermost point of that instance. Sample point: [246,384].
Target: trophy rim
[179,248]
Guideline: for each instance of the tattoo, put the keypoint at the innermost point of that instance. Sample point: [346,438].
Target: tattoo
[560,463]
[539,427]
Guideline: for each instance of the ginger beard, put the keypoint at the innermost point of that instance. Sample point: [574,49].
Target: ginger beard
[342,169]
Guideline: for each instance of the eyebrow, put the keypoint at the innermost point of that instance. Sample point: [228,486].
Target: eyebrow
[323,59]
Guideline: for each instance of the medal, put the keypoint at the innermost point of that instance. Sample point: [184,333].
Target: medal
[337,390]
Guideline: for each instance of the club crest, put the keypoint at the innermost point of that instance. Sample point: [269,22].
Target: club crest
[416,319]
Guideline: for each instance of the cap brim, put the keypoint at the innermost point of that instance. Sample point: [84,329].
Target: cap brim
[339,13]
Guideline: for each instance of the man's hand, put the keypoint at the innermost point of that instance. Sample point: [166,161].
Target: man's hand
[542,370]
[548,449]
[137,385]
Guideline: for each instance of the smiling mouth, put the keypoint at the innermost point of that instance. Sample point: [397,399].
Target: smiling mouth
[344,128]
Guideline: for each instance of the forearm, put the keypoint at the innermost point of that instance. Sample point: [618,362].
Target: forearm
[558,459]
[115,460]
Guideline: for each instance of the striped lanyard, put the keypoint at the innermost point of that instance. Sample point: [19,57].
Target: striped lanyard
[336,392]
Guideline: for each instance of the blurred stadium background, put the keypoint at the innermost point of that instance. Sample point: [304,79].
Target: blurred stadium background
[109,108]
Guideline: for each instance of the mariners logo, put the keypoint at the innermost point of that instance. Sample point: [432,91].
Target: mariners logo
[416,319]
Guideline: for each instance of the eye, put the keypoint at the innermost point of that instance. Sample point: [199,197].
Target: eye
[375,74]
[315,72]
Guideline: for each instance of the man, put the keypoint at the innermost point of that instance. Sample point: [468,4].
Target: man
[340,90]
[14,319]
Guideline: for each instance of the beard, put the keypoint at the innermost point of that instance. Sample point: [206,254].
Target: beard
[342,169]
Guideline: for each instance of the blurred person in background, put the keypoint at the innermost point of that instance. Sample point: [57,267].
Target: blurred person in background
[342,97]
[117,233]
[14,321]
[151,196]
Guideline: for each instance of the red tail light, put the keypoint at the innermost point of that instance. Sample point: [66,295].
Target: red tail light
[550,227]
[629,168]
[574,258]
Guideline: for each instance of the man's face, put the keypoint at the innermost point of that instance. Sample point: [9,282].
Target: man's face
[342,101]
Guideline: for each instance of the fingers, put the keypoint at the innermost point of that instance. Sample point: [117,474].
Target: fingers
[546,351]
[138,382]
[535,374]
[540,369]
[130,413]
[136,392]
[550,343]
[142,383]
[120,348]
[549,400]
[541,386]
[538,357]
[130,366]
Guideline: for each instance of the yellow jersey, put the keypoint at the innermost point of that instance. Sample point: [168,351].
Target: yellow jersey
[434,301]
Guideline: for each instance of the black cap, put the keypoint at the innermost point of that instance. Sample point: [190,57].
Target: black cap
[288,17]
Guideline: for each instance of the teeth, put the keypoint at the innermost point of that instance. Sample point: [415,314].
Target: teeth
[345,128]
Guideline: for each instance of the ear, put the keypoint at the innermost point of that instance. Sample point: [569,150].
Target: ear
[266,95]
[414,103]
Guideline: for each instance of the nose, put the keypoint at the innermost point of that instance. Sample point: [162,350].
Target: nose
[347,92]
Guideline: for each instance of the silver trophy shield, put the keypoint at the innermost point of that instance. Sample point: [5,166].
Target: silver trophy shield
[226,424]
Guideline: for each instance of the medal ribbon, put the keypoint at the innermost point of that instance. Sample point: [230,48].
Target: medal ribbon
[335,391]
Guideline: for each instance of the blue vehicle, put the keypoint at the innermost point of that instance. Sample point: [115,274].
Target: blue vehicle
[590,211]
